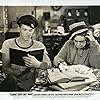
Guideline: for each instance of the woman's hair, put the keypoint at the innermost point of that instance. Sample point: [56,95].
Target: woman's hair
[80,34]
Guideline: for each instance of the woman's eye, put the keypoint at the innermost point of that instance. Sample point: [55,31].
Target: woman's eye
[24,29]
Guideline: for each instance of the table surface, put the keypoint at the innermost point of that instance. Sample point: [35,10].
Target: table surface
[48,87]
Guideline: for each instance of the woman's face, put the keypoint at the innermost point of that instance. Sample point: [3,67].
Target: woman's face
[26,32]
[79,41]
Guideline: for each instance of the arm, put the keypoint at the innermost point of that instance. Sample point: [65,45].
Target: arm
[6,60]
[7,68]
[31,61]
[94,58]
[92,39]
[62,55]
[47,60]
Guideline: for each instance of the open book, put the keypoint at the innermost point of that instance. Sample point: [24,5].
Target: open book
[73,85]
[16,56]
[74,88]
[56,76]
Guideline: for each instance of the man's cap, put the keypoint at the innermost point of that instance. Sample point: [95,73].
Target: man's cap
[77,28]
[28,20]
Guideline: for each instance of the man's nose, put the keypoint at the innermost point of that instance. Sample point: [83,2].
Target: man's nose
[27,32]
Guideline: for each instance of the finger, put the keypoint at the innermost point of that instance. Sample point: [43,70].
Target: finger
[28,64]
[88,33]
[64,63]
[88,37]
[26,59]
[30,55]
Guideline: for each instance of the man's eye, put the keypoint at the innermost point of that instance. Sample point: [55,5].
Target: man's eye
[24,29]
[79,41]
[30,30]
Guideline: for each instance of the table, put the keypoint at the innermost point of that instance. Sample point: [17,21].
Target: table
[48,87]
[96,87]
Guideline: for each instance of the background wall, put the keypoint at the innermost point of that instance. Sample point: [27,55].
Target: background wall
[16,11]
[94,14]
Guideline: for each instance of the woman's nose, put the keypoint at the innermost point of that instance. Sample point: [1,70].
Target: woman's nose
[78,43]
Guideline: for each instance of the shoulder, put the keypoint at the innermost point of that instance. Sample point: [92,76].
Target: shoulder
[6,45]
[9,41]
[69,43]
[38,43]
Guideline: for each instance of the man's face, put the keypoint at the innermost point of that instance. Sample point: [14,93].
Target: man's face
[79,41]
[26,32]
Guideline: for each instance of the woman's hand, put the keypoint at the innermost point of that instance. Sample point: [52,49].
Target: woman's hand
[90,36]
[31,61]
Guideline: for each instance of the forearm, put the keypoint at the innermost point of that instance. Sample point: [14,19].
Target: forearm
[58,60]
[46,59]
[46,63]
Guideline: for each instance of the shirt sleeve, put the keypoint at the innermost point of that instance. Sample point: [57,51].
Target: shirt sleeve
[45,56]
[5,48]
[62,54]
[94,59]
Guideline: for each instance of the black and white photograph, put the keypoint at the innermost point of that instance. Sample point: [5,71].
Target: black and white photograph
[49,49]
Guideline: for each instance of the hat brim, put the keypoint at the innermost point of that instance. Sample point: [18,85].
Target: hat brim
[78,32]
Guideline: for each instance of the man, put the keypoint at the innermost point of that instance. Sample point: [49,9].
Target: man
[81,48]
[25,41]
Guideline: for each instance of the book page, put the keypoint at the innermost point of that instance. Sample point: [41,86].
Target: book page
[16,56]
[75,75]
[92,94]
[56,76]
[72,84]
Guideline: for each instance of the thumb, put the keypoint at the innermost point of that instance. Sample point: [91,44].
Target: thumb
[30,55]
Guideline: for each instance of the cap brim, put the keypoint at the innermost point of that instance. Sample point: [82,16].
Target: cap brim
[78,32]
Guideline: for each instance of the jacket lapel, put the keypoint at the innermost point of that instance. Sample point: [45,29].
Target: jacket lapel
[84,56]
[72,54]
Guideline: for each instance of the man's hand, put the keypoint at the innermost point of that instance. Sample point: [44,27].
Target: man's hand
[31,61]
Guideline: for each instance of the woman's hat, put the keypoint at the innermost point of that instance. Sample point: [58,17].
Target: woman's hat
[28,20]
[77,28]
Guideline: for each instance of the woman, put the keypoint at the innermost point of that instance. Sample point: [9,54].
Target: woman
[81,48]
[26,42]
